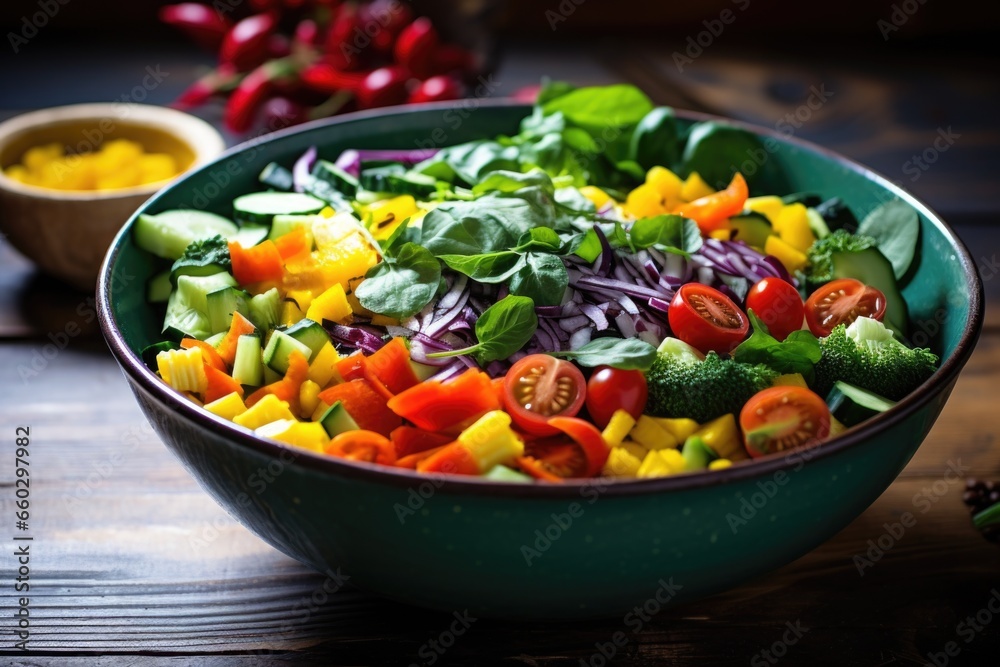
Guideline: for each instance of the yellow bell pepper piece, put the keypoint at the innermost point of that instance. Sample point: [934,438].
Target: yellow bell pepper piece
[720,464]
[290,313]
[266,410]
[596,195]
[651,435]
[768,206]
[665,182]
[790,257]
[680,427]
[322,368]
[389,214]
[330,305]
[490,440]
[723,437]
[302,297]
[644,202]
[227,407]
[790,380]
[308,398]
[695,187]
[621,463]
[307,435]
[793,227]
[661,463]
[184,370]
[618,428]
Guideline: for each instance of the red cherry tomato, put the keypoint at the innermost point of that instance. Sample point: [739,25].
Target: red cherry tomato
[841,302]
[415,47]
[706,319]
[539,387]
[436,89]
[582,454]
[383,87]
[778,305]
[610,389]
[781,418]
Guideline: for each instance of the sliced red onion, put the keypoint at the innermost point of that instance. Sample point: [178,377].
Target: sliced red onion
[625,325]
[628,305]
[549,311]
[580,338]
[302,170]
[354,336]
[706,276]
[607,253]
[573,323]
[446,320]
[659,304]
[452,296]
[620,286]
[595,315]
[451,370]
[350,161]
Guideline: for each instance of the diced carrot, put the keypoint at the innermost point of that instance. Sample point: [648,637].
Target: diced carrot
[220,384]
[287,388]
[410,440]
[292,244]
[208,353]
[391,365]
[240,326]
[256,264]
[365,405]
[448,406]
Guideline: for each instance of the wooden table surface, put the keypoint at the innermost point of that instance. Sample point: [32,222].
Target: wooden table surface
[132,563]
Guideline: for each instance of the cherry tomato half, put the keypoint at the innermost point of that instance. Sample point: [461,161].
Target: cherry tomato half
[841,302]
[362,446]
[778,305]
[582,454]
[781,418]
[610,389]
[539,387]
[706,319]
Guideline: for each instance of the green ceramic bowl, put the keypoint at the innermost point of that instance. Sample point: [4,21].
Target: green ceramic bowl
[539,551]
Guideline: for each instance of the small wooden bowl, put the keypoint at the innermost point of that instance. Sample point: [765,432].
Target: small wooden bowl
[66,233]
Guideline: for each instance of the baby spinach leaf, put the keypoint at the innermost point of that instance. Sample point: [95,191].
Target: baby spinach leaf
[511,181]
[494,267]
[654,140]
[542,278]
[599,107]
[553,89]
[798,353]
[470,161]
[502,329]
[623,353]
[895,226]
[488,224]
[401,286]
[667,232]
[540,238]
[716,150]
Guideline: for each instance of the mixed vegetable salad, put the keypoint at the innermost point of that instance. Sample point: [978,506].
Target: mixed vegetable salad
[598,295]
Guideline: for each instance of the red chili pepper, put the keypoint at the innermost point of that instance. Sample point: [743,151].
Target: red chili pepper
[328,79]
[383,20]
[280,112]
[278,46]
[246,43]
[436,89]
[255,87]
[383,87]
[416,46]
[341,50]
[306,33]
[201,90]
[451,59]
[200,22]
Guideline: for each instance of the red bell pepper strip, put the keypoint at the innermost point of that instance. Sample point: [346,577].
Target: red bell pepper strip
[365,405]
[411,440]
[454,458]
[257,264]
[712,211]
[391,366]
[411,461]
[449,406]
[362,446]
[352,367]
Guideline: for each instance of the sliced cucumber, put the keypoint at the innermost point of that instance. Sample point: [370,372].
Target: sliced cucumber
[279,348]
[872,268]
[337,420]
[817,224]
[215,339]
[277,177]
[250,235]
[270,376]
[167,234]
[285,224]
[187,308]
[248,367]
[336,177]
[159,287]
[149,352]
[265,309]
[221,304]
[852,405]
[501,473]
[396,180]
[261,207]
[423,371]
[309,333]
[751,228]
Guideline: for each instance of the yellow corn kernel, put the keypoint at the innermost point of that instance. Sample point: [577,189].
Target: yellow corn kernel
[330,305]
[618,428]
[35,158]
[790,380]
[308,398]
[695,187]
[290,313]
[680,427]
[387,215]
[307,435]
[644,202]
[651,435]
[723,437]
[792,259]
[184,370]
[768,206]
[719,464]
[621,463]
[490,440]
[227,407]
[597,196]
[266,410]
[665,182]
[322,369]
[793,227]
[661,464]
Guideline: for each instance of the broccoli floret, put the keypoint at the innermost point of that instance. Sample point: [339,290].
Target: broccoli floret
[820,269]
[866,355]
[682,386]
[205,254]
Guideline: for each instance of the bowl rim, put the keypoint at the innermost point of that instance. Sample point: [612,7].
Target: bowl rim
[201,138]
[137,372]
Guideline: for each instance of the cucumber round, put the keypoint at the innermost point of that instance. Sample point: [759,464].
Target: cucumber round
[261,207]
[167,234]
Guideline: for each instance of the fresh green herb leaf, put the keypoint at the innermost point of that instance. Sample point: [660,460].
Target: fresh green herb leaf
[655,139]
[203,257]
[494,267]
[667,232]
[539,238]
[511,181]
[623,353]
[542,277]
[601,107]
[798,353]
[502,329]
[401,286]
[895,226]
[488,224]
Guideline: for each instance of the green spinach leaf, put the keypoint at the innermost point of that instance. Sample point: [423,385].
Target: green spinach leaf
[502,329]
[895,226]
[667,232]
[798,353]
[655,139]
[542,278]
[623,353]
[494,267]
[401,286]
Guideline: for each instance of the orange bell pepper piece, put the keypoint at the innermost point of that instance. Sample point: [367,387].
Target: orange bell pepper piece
[240,326]
[366,406]
[712,211]
[448,406]
[260,263]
